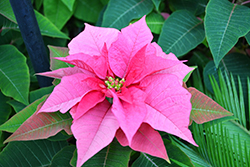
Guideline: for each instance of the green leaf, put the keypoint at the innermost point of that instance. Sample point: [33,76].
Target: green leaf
[38,4]
[185,79]
[196,7]
[119,13]
[157,4]
[181,32]
[6,10]
[235,63]
[57,12]
[16,105]
[223,144]
[30,153]
[63,157]
[230,97]
[15,122]
[87,10]
[5,109]
[248,38]
[204,109]
[58,52]
[225,22]
[69,4]
[112,155]
[14,74]
[176,155]
[155,22]
[39,93]
[46,27]
[42,126]
[195,157]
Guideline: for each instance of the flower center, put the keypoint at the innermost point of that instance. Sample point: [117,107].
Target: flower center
[115,83]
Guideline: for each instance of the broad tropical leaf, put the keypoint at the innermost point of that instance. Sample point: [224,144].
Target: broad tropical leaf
[204,109]
[155,22]
[6,10]
[57,12]
[5,109]
[225,22]
[30,153]
[69,4]
[87,10]
[181,32]
[157,4]
[119,13]
[112,155]
[63,157]
[14,74]
[176,155]
[197,7]
[42,126]
[235,63]
[16,121]
[46,27]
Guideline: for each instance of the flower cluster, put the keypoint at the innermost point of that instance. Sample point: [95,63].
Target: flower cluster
[144,83]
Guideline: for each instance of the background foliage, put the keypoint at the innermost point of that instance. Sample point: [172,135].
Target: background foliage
[213,35]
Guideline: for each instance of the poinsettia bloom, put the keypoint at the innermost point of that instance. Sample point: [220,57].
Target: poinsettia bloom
[144,83]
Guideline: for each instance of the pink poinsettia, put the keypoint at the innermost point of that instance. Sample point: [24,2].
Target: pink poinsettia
[143,83]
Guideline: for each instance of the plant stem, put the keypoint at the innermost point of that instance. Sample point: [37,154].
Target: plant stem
[243,3]
[32,38]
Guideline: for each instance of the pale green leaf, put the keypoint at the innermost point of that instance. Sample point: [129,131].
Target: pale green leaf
[119,13]
[17,120]
[42,126]
[14,74]
[57,12]
[225,22]
[181,32]
[30,153]
[58,52]
[87,10]
[204,109]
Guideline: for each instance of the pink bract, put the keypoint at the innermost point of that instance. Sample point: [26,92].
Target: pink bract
[144,83]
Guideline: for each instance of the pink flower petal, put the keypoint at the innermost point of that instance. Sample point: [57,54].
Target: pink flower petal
[121,137]
[92,39]
[180,69]
[94,131]
[146,140]
[62,72]
[129,42]
[130,116]
[96,64]
[90,100]
[168,105]
[66,94]
[150,63]
[149,141]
